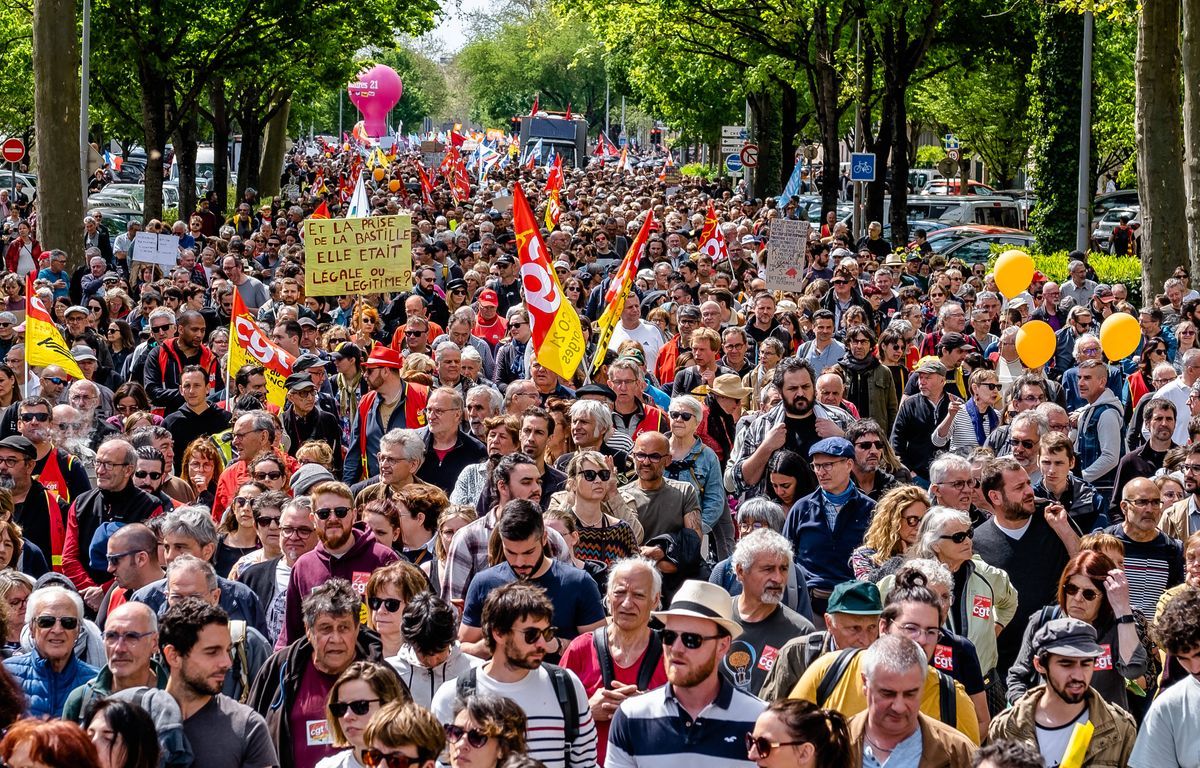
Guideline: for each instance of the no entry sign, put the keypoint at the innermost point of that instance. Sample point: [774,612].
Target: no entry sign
[13,150]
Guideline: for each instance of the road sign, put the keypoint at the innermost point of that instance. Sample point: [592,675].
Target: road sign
[862,166]
[951,141]
[952,153]
[947,167]
[749,155]
[733,132]
[13,150]
[731,145]
[733,163]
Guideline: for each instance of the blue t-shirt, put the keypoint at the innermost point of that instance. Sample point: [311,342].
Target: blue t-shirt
[573,592]
[54,277]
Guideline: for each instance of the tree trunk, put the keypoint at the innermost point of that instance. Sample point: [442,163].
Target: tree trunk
[221,133]
[186,142]
[898,214]
[789,127]
[1191,127]
[251,157]
[154,138]
[56,123]
[1159,128]
[766,122]
[274,149]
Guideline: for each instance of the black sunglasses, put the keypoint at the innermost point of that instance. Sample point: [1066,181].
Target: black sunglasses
[392,604]
[764,747]
[377,759]
[142,474]
[260,476]
[35,416]
[1026,444]
[591,475]
[358,707]
[960,537]
[691,640]
[475,737]
[46,622]
[531,634]
[867,445]
[1074,589]
[325,512]
[266,520]
[682,415]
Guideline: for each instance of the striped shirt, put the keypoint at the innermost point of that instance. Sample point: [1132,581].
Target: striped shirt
[1151,567]
[544,732]
[654,731]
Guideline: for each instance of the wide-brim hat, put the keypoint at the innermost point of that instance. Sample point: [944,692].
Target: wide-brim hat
[383,356]
[702,600]
[729,385]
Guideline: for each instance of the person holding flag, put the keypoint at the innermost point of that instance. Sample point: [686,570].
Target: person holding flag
[616,297]
[44,344]
[554,183]
[249,344]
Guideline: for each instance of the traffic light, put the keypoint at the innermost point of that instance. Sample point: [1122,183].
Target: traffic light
[655,137]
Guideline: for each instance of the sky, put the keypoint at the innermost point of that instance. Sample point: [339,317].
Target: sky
[450,34]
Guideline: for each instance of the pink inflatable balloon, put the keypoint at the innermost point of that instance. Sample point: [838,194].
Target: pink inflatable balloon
[375,92]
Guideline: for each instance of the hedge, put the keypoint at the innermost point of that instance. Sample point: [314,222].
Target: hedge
[1126,270]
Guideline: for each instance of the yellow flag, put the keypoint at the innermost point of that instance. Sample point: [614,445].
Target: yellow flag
[44,345]
[248,344]
[1077,747]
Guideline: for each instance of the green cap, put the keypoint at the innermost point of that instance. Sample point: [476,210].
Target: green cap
[858,598]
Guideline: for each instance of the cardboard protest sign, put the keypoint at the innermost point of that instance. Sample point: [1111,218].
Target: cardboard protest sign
[787,255]
[367,255]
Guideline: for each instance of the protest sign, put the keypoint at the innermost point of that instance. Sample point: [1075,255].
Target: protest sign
[367,255]
[151,248]
[787,255]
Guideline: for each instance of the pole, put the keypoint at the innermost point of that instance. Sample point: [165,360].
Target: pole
[856,220]
[1083,208]
[623,136]
[84,96]
[340,127]
[607,128]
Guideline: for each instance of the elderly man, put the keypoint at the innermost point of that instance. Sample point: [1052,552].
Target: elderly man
[459,329]
[305,420]
[482,403]
[391,404]
[88,399]
[401,453]
[130,642]
[50,672]
[825,526]
[1153,560]
[892,728]
[297,536]
[761,562]
[60,472]
[41,515]
[1179,392]
[633,590]
[191,577]
[632,326]
[519,395]
[632,413]
[851,621]
[96,514]
[447,358]
[699,630]
[344,552]
[1025,433]
[254,434]
[294,684]
[592,430]
[449,448]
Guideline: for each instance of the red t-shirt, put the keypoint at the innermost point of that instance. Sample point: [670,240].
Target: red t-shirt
[312,738]
[490,333]
[580,658]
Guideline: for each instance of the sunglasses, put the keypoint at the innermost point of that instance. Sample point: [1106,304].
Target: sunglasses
[47,622]
[1026,444]
[531,634]
[241,501]
[912,521]
[142,474]
[991,385]
[1086,592]
[591,475]
[475,737]
[55,380]
[325,512]
[261,476]
[867,445]
[691,640]
[115,560]
[392,604]
[159,328]
[266,520]
[358,707]
[414,334]
[377,759]
[28,417]
[764,747]
[682,415]
[960,537]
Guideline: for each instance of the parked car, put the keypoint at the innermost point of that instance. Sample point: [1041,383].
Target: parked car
[1122,198]
[116,220]
[944,240]
[977,250]
[953,187]
[1102,233]
[995,210]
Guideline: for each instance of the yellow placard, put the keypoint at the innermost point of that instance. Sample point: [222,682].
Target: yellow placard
[352,256]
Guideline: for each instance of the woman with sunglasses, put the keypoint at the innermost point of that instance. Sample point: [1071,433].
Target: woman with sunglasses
[119,336]
[457,295]
[695,463]
[358,694]
[403,735]
[15,589]
[97,316]
[271,471]
[1141,382]
[486,731]
[510,354]
[1094,590]
[794,733]
[1185,334]
[978,417]
[892,532]
[603,535]
[266,508]
[238,535]
[202,467]
[388,592]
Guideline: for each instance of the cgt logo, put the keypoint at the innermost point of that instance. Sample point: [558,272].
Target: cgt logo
[541,289]
[254,341]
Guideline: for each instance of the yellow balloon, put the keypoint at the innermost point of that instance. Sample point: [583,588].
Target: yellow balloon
[378,174]
[1120,335]
[1035,343]
[1014,272]
[394,185]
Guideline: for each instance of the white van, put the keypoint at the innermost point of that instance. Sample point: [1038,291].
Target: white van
[995,210]
[204,167]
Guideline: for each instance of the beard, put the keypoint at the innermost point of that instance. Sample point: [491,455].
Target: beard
[771,596]
[687,677]
[1069,698]
[1015,510]
[798,406]
[7,482]
[336,540]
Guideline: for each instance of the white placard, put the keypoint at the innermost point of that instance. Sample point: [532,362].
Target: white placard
[787,255]
[151,248]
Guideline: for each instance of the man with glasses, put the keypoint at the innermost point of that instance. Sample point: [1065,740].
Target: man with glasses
[952,485]
[132,557]
[391,404]
[77,332]
[50,671]
[449,448]
[8,334]
[1079,322]
[518,630]
[160,324]
[60,472]
[343,552]
[195,418]
[1153,560]
[1182,519]
[56,274]
[304,421]
[697,717]
[868,439]
[254,434]
[688,319]
[1098,426]
[130,643]
[254,294]
[40,513]
[665,507]
[1179,392]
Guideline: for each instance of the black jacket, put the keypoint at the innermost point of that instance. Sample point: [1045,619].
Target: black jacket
[317,425]
[260,577]
[444,472]
[129,505]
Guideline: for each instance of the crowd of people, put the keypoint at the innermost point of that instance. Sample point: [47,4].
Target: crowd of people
[841,525]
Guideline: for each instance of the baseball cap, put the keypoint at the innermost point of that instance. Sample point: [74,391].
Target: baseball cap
[307,322]
[305,361]
[953,340]
[1105,293]
[1067,637]
[344,350]
[8,317]
[505,260]
[83,352]
[838,447]
[488,296]
[383,356]
[857,598]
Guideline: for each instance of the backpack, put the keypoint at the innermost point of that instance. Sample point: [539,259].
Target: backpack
[646,669]
[237,635]
[564,691]
[947,696]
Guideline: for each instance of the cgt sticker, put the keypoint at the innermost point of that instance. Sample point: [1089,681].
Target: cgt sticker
[943,658]
[318,733]
[982,607]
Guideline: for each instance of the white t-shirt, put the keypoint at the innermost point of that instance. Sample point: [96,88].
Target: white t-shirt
[645,334]
[1170,734]
[1052,742]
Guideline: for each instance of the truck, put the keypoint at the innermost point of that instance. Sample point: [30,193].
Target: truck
[566,137]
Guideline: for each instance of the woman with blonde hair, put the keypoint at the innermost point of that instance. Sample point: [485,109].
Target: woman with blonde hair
[360,691]
[448,524]
[315,452]
[403,735]
[892,531]
[366,328]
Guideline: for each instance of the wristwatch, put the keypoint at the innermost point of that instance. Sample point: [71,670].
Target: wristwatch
[1126,619]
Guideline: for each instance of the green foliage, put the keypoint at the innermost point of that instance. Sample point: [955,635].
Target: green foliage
[16,61]
[929,155]
[697,169]
[1123,270]
[1113,141]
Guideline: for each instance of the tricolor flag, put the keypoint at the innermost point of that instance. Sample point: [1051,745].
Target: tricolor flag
[557,335]
[44,344]
[248,343]
[618,289]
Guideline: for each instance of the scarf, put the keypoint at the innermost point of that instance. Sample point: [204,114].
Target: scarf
[858,387]
[977,420]
[839,499]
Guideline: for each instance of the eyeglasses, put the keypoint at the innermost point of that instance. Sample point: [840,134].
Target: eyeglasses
[691,640]
[868,445]
[681,415]
[113,637]
[392,604]
[47,622]
[325,512]
[1087,593]
[302,532]
[1141,503]
[531,634]
[142,474]
[377,759]
[912,521]
[415,334]
[764,747]
[475,737]
[115,560]
[358,707]
[264,476]
[242,501]
[266,520]
[592,475]
[962,485]
[914,631]
[960,537]
[641,456]
[108,466]
[1026,444]
[824,466]
[440,411]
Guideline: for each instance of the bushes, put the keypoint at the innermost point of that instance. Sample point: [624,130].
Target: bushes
[1126,270]
[696,169]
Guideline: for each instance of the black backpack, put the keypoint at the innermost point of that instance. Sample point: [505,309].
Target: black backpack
[647,668]
[564,691]
[947,696]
